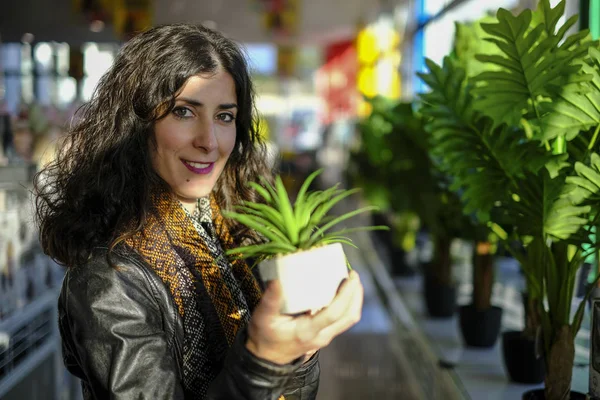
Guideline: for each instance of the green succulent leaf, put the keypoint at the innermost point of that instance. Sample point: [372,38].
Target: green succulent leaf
[269,214]
[321,230]
[261,191]
[260,225]
[327,205]
[270,249]
[301,216]
[274,199]
[288,228]
[285,208]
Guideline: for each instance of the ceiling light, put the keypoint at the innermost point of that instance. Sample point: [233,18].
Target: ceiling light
[97,26]
[27,37]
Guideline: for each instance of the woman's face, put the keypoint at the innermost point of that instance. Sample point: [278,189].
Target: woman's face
[194,141]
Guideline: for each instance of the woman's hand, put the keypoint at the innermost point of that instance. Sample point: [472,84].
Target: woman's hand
[282,338]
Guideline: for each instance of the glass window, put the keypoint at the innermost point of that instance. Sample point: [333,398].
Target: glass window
[11,57]
[263,58]
[27,93]
[67,91]
[43,55]
[62,58]
[45,90]
[49,83]
[97,60]
[13,93]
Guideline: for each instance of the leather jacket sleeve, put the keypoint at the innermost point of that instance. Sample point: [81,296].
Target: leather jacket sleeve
[304,384]
[244,376]
[116,338]
[113,337]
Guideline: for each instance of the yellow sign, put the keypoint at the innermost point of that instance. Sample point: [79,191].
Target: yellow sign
[378,48]
[281,18]
[286,60]
[131,16]
[128,16]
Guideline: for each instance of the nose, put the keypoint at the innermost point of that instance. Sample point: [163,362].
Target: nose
[205,136]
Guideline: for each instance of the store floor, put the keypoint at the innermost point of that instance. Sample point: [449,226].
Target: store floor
[385,356]
[481,371]
[365,362]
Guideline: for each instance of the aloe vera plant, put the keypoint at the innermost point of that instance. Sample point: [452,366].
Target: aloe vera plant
[291,228]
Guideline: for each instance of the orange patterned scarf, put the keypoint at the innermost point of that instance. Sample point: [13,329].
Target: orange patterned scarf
[173,228]
[213,295]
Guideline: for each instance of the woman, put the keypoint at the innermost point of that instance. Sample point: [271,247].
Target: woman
[150,308]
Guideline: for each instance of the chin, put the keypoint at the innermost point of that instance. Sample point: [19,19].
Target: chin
[202,191]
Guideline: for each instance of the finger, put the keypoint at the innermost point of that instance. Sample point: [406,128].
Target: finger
[339,305]
[272,298]
[349,319]
[309,326]
[351,275]
[308,355]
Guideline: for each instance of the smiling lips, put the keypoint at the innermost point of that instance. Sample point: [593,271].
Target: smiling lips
[199,168]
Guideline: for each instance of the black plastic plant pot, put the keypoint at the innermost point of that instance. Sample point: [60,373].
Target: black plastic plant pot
[399,267]
[385,238]
[519,359]
[440,299]
[480,328]
[538,394]
[396,256]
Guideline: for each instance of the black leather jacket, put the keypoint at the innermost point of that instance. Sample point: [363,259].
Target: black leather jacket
[122,336]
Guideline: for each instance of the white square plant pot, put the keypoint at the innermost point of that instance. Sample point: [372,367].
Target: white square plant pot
[309,279]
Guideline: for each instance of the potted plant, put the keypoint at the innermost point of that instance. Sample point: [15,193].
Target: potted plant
[475,156]
[480,321]
[299,250]
[395,143]
[525,134]
[375,167]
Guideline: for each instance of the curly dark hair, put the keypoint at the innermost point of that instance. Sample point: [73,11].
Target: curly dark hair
[98,190]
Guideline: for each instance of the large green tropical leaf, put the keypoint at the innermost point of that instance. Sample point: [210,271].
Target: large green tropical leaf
[536,56]
[562,217]
[585,183]
[485,163]
[576,106]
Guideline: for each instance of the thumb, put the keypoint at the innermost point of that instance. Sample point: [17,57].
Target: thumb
[272,298]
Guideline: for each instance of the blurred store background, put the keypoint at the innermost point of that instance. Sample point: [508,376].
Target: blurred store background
[318,65]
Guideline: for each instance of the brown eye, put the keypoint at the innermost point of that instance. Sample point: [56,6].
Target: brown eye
[226,117]
[182,112]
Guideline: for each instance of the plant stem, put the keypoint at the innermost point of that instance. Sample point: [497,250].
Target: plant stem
[441,266]
[559,364]
[483,276]
[594,138]
[533,319]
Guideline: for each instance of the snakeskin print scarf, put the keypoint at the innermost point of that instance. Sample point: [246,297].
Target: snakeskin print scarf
[213,295]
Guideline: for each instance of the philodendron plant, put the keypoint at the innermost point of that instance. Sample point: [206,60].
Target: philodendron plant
[299,248]
[520,140]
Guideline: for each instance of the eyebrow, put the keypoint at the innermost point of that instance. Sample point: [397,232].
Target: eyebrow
[196,103]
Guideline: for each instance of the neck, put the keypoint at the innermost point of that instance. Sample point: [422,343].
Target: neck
[190,205]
